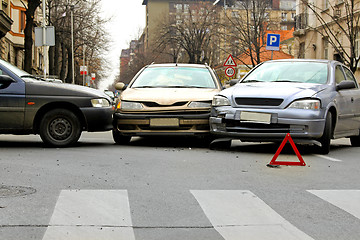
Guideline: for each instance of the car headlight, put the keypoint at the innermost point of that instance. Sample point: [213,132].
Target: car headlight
[100,102]
[199,105]
[311,104]
[220,101]
[124,105]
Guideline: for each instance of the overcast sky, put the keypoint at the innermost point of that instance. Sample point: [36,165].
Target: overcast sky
[128,20]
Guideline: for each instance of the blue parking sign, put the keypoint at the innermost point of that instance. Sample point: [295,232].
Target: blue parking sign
[273,42]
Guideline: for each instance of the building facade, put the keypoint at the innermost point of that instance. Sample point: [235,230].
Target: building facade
[323,30]
[12,25]
[281,12]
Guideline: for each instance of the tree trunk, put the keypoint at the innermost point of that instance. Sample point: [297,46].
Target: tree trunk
[28,31]
[63,62]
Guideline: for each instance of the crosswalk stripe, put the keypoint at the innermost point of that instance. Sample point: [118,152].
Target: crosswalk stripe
[347,200]
[91,214]
[238,214]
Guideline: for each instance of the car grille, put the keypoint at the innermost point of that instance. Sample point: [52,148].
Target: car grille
[154,104]
[259,101]
[237,126]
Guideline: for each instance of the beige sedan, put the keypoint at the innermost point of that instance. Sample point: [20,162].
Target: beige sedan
[166,99]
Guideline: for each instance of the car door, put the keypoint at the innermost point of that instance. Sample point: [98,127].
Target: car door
[354,98]
[12,102]
[345,101]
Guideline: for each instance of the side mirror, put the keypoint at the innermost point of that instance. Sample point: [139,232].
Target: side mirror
[120,86]
[345,85]
[233,82]
[5,79]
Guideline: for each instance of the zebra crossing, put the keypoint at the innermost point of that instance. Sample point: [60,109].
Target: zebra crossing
[234,214]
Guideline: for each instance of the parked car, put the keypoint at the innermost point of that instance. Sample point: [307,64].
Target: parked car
[58,112]
[166,99]
[315,100]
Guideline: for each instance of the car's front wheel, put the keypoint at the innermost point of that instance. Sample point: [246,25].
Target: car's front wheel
[60,128]
[327,134]
[119,138]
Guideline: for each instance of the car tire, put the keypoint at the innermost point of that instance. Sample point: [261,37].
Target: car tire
[60,128]
[119,138]
[325,140]
[355,141]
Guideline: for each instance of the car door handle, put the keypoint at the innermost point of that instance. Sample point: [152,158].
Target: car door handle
[352,99]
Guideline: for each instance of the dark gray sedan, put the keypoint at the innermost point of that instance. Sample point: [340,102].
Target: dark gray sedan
[58,112]
[310,99]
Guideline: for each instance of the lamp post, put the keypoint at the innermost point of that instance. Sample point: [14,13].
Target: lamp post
[72,43]
[44,36]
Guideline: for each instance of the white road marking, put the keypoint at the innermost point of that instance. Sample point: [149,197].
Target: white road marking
[91,214]
[328,158]
[242,215]
[347,200]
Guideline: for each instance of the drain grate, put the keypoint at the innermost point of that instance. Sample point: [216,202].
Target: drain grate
[15,191]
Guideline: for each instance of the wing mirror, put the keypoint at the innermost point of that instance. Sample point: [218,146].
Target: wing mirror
[120,86]
[233,82]
[345,85]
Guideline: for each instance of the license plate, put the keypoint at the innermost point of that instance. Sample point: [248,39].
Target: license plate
[164,122]
[255,117]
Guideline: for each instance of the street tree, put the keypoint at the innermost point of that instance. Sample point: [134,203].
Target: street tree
[338,24]
[246,28]
[28,32]
[194,34]
[89,36]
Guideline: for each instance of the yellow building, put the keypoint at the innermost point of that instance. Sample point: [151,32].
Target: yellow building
[12,25]
[313,41]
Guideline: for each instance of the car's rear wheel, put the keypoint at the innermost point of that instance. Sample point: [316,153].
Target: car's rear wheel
[326,137]
[60,128]
[119,138]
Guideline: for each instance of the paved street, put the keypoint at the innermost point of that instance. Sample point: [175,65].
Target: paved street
[175,189]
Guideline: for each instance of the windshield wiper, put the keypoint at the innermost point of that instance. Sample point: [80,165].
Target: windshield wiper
[250,80]
[286,81]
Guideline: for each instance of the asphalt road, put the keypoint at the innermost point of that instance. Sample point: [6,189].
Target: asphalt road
[175,189]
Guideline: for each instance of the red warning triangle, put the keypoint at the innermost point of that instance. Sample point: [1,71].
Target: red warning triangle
[274,162]
[230,62]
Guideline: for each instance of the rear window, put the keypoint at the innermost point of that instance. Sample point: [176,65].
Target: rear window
[174,77]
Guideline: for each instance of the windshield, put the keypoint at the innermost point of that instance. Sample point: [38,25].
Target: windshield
[174,77]
[14,69]
[303,72]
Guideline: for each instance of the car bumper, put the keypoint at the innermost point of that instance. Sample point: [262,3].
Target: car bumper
[98,119]
[301,124]
[162,124]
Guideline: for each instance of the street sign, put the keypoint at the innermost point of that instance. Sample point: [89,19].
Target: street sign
[83,70]
[93,75]
[230,71]
[230,62]
[273,42]
[49,38]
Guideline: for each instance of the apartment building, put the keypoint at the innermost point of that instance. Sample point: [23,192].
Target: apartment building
[281,11]
[12,25]
[333,42]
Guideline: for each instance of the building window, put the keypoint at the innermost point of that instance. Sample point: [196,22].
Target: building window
[357,44]
[284,16]
[302,50]
[326,4]
[326,48]
[22,21]
[179,8]
[186,8]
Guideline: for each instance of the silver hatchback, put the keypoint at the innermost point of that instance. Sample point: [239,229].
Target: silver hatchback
[310,99]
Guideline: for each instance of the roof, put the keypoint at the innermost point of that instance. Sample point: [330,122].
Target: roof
[265,55]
